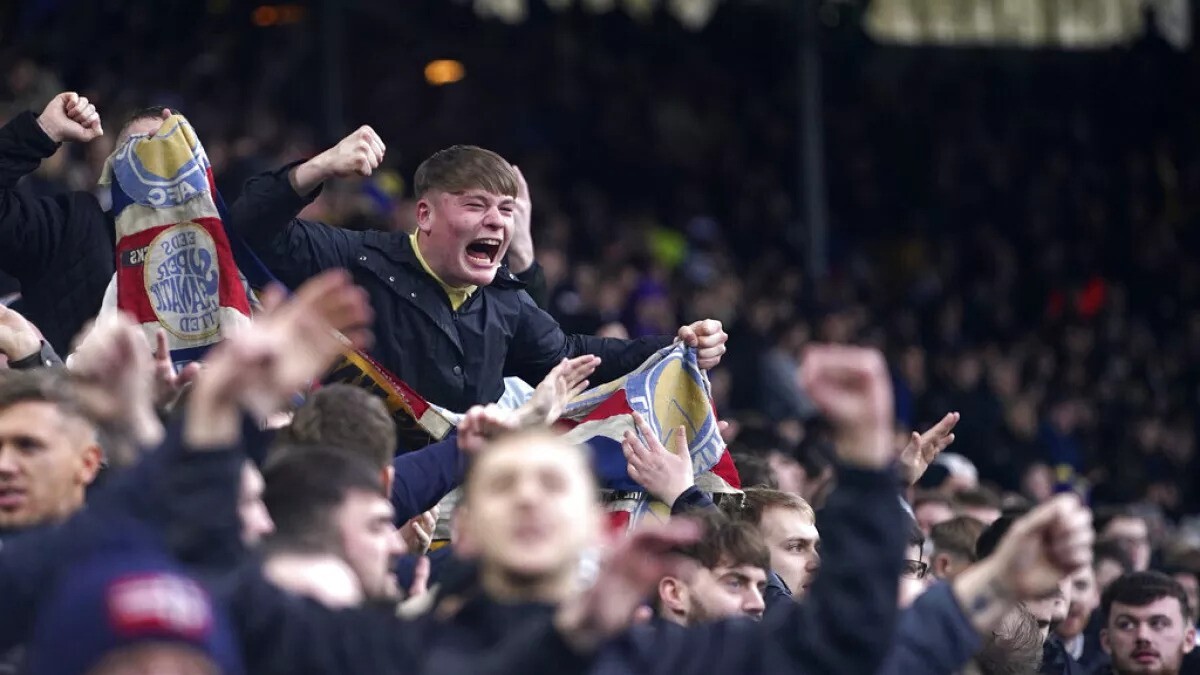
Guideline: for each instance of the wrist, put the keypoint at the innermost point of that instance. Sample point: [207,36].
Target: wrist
[308,176]
[569,623]
[23,348]
[672,494]
[520,256]
[49,130]
[866,448]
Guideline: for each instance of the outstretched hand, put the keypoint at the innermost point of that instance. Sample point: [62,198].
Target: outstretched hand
[922,449]
[562,384]
[666,474]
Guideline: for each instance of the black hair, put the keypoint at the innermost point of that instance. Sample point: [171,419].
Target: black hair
[1139,589]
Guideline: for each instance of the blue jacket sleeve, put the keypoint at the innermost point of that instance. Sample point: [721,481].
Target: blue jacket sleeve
[264,216]
[863,539]
[934,637]
[423,477]
[692,499]
[539,344]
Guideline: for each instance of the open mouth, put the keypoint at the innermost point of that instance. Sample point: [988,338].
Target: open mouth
[484,250]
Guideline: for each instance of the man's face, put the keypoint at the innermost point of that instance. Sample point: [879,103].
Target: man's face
[256,520]
[1084,599]
[1149,640]
[464,236]
[1192,587]
[1133,536]
[146,125]
[531,509]
[369,542]
[46,461]
[912,582]
[930,514]
[155,658]
[723,592]
[792,538]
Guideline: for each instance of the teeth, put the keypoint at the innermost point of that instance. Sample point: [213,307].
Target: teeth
[489,242]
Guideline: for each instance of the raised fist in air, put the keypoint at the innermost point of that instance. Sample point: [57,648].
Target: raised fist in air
[70,117]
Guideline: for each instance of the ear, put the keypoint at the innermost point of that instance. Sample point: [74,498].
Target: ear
[1104,644]
[672,597]
[89,464]
[424,215]
[389,479]
[941,565]
[1189,639]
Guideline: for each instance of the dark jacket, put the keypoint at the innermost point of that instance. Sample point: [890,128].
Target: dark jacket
[1056,660]
[845,625]
[424,477]
[454,358]
[60,248]
[935,637]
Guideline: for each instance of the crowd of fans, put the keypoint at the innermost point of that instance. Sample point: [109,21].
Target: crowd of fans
[1010,239]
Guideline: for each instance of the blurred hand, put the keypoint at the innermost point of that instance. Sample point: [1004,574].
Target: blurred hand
[851,387]
[562,384]
[709,338]
[922,449]
[482,423]
[665,474]
[114,375]
[1041,548]
[627,575]
[70,117]
[18,338]
[417,533]
[520,250]
[168,382]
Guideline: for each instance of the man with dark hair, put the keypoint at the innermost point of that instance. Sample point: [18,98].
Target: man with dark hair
[725,576]
[345,417]
[325,501]
[789,528]
[953,546]
[915,568]
[1146,630]
[49,452]
[453,321]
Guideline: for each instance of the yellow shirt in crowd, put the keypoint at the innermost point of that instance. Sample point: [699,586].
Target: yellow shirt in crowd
[457,294]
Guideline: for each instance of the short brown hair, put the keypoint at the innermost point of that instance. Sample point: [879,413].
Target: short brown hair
[347,417]
[465,167]
[977,498]
[756,501]
[957,536]
[41,385]
[728,542]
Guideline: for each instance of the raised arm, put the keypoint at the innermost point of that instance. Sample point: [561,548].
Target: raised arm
[264,215]
[33,230]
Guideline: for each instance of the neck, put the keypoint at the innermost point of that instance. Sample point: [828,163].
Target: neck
[503,586]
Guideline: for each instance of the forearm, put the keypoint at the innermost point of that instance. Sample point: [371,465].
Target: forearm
[38,354]
[617,357]
[307,177]
[422,478]
[983,596]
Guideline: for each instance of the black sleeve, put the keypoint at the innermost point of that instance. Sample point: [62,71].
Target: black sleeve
[862,535]
[33,230]
[534,279]
[693,499]
[539,344]
[264,216]
[45,357]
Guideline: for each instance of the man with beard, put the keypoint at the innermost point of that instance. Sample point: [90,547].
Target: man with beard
[725,576]
[1147,630]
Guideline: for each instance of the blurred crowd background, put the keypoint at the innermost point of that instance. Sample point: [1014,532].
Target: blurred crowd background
[1015,228]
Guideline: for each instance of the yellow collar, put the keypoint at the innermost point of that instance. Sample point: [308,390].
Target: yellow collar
[457,294]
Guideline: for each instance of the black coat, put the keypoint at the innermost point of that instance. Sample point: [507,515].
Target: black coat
[454,358]
[60,248]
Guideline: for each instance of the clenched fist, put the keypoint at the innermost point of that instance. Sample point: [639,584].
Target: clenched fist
[851,387]
[358,154]
[70,117]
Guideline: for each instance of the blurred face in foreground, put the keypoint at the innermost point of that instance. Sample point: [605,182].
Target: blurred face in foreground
[1148,640]
[47,459]
[1133,536]
[530,513]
